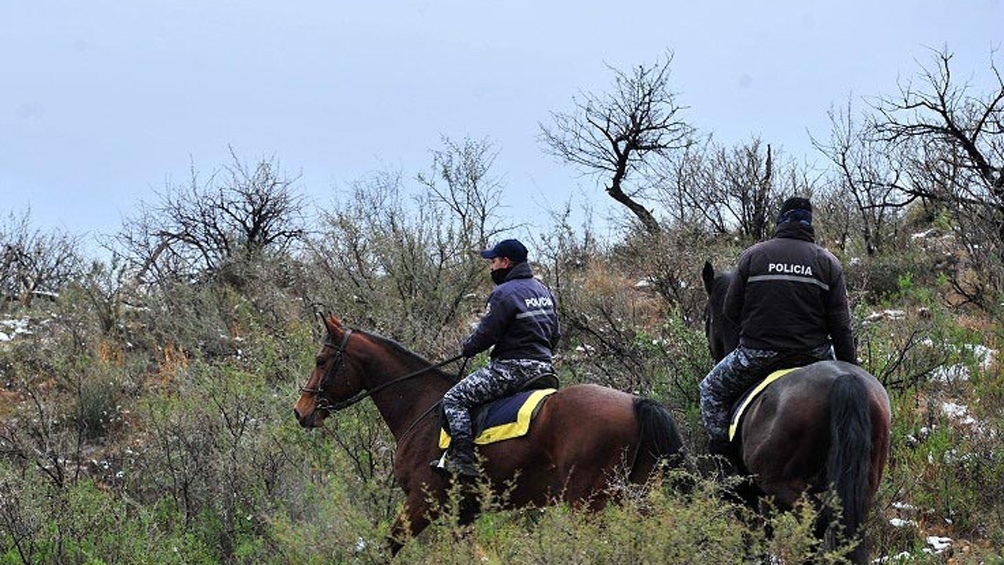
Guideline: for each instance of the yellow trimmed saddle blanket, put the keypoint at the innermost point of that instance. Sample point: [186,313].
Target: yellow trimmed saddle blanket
[503,419]
[752,393]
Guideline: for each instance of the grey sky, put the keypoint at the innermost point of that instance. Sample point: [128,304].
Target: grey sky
[104,102]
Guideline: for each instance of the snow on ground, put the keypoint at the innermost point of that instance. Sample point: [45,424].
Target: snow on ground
[9,329]
[958,412]
[983,355]
[884,315]
[901,523]
[937,544]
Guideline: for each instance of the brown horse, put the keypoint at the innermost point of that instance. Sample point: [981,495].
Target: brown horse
[584,438]
[825,425]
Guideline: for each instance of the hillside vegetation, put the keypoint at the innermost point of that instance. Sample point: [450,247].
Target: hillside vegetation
[146,411]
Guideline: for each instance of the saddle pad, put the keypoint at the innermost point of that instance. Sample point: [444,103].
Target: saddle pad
[740,406]
[503,419]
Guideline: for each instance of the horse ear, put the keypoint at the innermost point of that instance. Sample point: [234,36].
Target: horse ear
[333,323]
[708,274]
[329,320]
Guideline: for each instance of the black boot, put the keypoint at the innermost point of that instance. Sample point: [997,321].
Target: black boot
[458,459]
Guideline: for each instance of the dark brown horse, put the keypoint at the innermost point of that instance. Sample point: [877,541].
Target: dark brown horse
[823,425]
[584,438]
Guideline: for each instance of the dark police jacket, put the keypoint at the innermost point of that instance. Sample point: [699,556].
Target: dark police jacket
[789,295]
[520,320]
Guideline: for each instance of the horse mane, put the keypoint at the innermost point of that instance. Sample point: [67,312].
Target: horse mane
[723,335]
[334,323]
[396,346]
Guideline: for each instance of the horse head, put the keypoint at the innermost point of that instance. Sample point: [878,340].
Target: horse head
[331,384]
[722,333]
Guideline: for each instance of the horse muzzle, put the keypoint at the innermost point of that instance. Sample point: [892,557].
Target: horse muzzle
[311,420]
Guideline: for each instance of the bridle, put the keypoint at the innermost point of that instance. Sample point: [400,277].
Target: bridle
[324,403]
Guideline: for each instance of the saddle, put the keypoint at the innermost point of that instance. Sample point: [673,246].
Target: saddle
[507,417]
[739,406]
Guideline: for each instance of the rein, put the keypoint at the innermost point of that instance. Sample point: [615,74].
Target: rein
[324,404]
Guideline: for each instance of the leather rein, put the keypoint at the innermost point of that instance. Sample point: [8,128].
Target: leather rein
[323,403]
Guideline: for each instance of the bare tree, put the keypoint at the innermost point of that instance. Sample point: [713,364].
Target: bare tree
[33,262]
[614,135]
[867,177]
[741,183]
[461,179]
[235,215]
[402,258]
[681,185]
[729,190]
[951,144]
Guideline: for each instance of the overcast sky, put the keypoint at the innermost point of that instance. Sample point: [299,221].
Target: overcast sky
[104,102]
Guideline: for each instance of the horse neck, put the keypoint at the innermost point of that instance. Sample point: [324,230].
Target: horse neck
[725,332]
[401,404]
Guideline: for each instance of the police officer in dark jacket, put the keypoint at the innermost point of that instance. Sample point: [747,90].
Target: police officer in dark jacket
[520,324]
[790,301]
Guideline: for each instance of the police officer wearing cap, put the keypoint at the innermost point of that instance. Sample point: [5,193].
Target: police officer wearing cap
[789,300]
[520,324]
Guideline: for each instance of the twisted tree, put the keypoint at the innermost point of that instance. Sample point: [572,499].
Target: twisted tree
[614,135]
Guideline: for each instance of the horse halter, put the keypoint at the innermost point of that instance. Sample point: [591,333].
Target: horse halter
[322,402]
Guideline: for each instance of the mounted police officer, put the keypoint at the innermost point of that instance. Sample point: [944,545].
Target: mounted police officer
[790,301]
[520,324]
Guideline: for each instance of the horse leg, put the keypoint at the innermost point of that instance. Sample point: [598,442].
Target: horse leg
[413,518]
[588,490]
[417,514]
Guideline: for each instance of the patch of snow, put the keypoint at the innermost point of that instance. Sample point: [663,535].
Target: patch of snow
[950,374]
[899,557]
[13,328]
[953,409]
[939,544]
[983,354]
[958,411]
[933,232]
[901,523]
[884,315]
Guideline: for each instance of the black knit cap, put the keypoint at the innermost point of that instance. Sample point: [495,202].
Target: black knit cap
[795,209]
[796,203]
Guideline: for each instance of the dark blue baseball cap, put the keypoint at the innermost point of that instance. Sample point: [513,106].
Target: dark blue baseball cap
[510,248]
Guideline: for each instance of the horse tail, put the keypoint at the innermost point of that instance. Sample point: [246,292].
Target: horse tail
[658,441]
[849,462]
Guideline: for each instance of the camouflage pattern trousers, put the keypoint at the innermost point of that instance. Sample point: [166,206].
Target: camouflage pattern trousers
[735,374]
[500,378]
